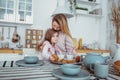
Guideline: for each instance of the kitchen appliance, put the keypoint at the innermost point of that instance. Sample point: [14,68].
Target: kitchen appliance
[62,9]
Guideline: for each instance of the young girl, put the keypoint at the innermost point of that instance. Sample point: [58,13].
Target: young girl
[48,47]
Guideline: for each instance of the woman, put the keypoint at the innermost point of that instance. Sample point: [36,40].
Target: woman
[65,43]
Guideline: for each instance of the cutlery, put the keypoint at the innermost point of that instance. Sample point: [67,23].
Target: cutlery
[2,37]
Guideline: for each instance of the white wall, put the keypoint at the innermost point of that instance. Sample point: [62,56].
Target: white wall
[42,13]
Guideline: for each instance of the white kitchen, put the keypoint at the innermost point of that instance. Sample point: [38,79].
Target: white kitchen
[93,24]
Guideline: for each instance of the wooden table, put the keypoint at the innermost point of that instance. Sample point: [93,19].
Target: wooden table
[10,71]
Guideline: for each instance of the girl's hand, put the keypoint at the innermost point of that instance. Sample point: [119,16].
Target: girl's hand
[51,58]
[41,47]
[54,57]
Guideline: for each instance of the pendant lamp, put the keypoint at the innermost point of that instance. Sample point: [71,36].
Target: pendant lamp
[62,9]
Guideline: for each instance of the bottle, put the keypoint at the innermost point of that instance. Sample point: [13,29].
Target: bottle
[80,43]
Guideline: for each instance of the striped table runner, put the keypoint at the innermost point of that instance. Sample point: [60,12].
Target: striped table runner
[10,71]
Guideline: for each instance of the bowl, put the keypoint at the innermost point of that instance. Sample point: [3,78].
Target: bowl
[70,69]
[30,59]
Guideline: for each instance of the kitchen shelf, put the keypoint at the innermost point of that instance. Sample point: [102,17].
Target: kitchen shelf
[3,50]
[94,9]
[90,15]
[87,2]
[33,37]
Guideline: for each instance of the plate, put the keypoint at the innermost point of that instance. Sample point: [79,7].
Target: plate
[60,63]
[83,75]
[22,63]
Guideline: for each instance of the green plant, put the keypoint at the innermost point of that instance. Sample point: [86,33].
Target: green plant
[72,4]
[81,8]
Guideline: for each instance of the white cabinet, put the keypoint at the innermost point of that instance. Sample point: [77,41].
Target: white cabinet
[88,8]
[7,10]
[16,11]
[24,11]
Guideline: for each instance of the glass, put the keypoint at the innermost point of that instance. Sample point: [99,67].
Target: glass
[29,1]
[10,4]
[9,11]
[28,7]
[2,12]
[21,0]
[3,3]
[21,6]
[21,15]
[28,14]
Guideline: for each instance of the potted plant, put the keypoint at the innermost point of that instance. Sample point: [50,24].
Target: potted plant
[116,19]
[81,10]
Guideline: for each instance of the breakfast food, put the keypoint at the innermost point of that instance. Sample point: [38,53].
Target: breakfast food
[70,61]
[117,62]
[77,59]
[55,57]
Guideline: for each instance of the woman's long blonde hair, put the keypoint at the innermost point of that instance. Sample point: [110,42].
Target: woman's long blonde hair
[62,21]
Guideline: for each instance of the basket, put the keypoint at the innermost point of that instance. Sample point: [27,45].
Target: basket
[117,68]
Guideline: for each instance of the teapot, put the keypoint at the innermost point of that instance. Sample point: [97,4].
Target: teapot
[92,58]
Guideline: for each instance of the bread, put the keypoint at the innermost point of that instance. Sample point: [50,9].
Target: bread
[55,57]
[117,62]
[70,61]
[64,61]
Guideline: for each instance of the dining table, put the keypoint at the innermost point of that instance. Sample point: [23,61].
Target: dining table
[10,71]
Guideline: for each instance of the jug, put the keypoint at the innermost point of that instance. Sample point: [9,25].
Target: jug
[92,58]
[117,53]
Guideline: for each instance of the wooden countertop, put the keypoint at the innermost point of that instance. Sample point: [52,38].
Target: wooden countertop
[88,51]
[78,51]
[7,50]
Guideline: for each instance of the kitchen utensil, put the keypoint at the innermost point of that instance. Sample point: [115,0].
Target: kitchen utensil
[101,70]
[15,37]
[92,58]
[31,59]
[2,37]
[70,69]
[8,33]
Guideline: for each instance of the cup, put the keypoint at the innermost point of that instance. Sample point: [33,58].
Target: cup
[70,57]
[101,70]
[61,56]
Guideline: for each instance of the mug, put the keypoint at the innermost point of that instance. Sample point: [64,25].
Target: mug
[101,70]
[70,57]
[61,56]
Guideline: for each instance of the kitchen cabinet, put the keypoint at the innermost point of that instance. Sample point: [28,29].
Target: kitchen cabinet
[16,11]
[88,8]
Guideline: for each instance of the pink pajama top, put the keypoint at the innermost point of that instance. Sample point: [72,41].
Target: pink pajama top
[65,44]
[48,50]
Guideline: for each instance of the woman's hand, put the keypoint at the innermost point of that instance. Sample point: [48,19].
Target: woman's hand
[53,57]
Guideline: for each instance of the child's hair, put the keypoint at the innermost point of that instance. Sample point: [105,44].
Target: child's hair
[48,35]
